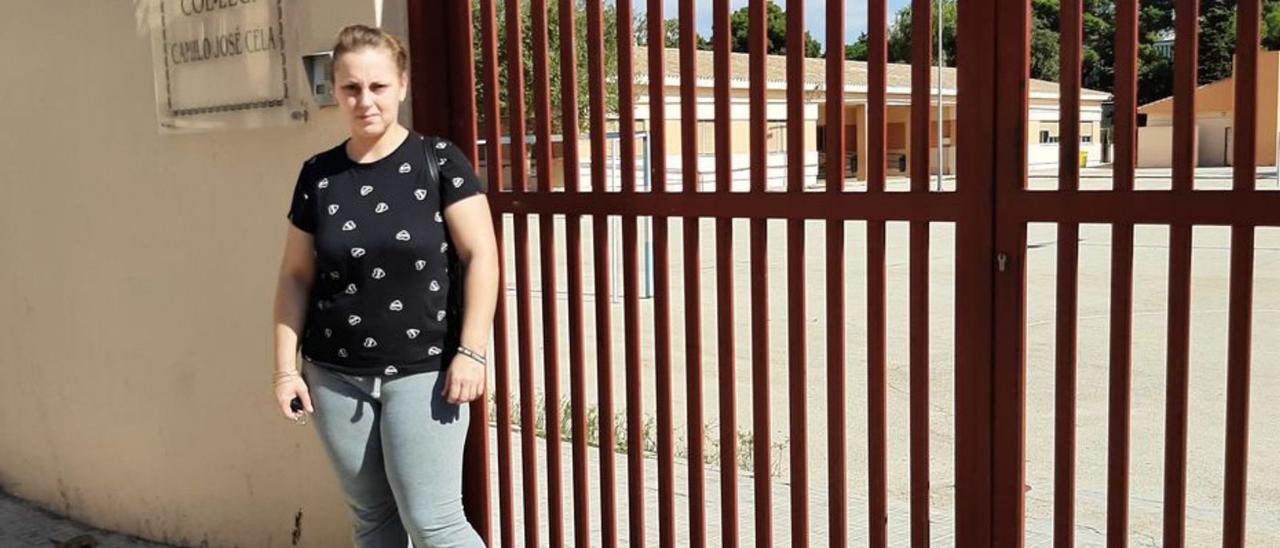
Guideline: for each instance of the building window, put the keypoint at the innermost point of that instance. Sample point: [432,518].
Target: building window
[1048,132]
[1086,132]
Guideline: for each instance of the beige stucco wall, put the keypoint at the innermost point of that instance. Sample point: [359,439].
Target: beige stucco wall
[138,273]
[1214,110]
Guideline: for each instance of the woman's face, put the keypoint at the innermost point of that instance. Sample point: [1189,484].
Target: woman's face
[369,89]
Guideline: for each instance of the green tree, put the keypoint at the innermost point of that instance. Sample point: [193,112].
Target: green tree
[1271,24]
[775,29]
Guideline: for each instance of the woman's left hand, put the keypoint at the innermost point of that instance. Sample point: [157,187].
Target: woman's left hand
[464,381]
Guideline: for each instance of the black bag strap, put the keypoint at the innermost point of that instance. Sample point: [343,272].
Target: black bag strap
[454,299]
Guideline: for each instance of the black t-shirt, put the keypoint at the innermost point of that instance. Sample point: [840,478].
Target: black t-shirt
[382,302]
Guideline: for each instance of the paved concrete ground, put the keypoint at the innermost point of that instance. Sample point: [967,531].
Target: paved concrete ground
[25,524]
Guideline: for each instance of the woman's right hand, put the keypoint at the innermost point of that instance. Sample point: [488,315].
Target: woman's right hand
[288,389]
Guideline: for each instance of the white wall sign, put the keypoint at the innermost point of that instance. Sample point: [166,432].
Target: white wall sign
[222,64]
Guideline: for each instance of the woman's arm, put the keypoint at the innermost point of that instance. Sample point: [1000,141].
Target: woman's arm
[293,286]
[471,225]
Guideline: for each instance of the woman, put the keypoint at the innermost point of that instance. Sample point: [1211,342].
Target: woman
[388,358]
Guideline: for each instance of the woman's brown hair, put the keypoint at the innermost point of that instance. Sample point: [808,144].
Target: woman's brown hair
[357,37]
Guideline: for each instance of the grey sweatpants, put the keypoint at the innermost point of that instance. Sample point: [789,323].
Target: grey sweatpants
[396,445]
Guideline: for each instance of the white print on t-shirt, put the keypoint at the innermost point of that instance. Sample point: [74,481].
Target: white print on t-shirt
[381,207]
[351,289]
[439,218]
[440,316]
[396,305]
[441,146]
[348,226]
[403,235]
[333,208]
[353,320]
[342,352]
[412,333]
[334,274]
[323,184]
[369,342]
[357,252]
[444,246]
[443,161]
[420,194]
[435,286]
[420,264]
[328,332]
[404,168]
[433,351]
[365,190]
[457,182]
[379,273]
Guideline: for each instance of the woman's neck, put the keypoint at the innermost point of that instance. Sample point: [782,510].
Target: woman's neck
[372,149]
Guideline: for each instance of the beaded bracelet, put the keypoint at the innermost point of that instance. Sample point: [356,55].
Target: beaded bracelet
[472,354]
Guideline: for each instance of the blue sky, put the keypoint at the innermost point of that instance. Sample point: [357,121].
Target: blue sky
[815,15]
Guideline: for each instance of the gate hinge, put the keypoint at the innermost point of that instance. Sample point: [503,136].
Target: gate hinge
[1002,261]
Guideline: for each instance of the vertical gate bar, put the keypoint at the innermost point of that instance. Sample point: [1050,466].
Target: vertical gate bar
[877,58]
[976,105]
[1245,134]
[1184,159]
[493,169]
[1065,386]
[1238,366]
[547,262]
[1064,468]
[1013,39]
[662,305]
[877,416]
[626,95]
[515,94]
[1239,343]
[1119,395]
[919,383]
[573,261]
[921,56]
[877,438]
[796,272]
[1126,97]
[1185,70]
[758,45]
[631,286]
[1175,473]
[600,276]
[635,402]
[834,150]
[720,37]
[1120,385]
[692,274]
[796,317]
[761,438]
[724,281]
[502,387]
[528,436]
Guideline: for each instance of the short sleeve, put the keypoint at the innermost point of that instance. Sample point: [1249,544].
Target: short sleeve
[302,211]
[458,179]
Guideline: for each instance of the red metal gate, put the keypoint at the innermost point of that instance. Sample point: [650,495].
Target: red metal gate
[990,209]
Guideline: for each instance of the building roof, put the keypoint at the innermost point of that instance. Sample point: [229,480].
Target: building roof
[897,75]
